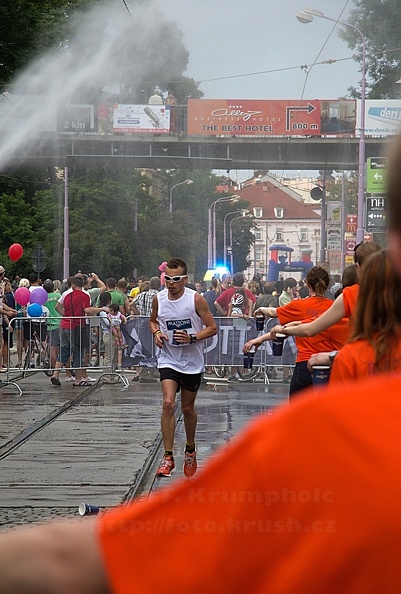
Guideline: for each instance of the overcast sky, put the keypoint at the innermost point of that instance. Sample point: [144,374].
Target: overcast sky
[227,38]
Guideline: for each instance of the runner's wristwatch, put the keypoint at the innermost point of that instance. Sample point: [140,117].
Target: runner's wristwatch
[193,338]
[332,356]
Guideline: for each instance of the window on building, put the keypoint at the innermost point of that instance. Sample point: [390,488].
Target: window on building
[258,212]
[258,235]
[304,234]
[258,255]
[279,235]
[278,212]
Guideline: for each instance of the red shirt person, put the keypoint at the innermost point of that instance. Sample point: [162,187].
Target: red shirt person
[223,301]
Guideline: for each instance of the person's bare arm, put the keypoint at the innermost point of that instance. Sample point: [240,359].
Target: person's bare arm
[270,312]
[9,311]
[220,310]
[158,335]
[100,283]
[333,315]
[319,359]
[55,558]
[92,311]
[256,342]
[134,309]
[203,311]
[127,308]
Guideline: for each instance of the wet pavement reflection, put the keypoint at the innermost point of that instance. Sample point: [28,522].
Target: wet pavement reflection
[94,451]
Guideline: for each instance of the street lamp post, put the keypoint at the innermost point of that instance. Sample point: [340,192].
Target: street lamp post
[225,235]
[306,16]
[66,253]
[211,236]
[187,182]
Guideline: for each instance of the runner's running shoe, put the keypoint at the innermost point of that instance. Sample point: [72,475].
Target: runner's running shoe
[190,464]
[167,467]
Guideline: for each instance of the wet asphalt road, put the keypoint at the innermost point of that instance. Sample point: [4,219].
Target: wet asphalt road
[94,451]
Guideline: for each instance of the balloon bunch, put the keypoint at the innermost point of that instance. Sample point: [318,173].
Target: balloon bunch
[36,298]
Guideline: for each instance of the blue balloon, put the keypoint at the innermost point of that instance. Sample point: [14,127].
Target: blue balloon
[34,310]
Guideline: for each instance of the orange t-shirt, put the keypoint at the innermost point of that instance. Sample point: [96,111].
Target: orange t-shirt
[356,360]
[308,309]
[350,297]
[305,500]
[302,309]
[332,339]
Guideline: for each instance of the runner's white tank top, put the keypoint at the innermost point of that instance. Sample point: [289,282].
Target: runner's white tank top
[180,314]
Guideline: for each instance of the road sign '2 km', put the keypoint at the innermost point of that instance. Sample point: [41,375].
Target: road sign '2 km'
[376,181]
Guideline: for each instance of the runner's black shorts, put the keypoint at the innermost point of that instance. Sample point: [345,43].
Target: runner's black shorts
[189,381]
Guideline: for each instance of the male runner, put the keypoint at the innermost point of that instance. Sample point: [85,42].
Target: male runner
[180,321]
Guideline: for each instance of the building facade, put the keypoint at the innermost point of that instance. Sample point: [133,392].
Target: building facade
[281,218]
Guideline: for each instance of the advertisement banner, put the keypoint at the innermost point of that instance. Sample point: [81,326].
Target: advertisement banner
[333,213]
[142,119]
[334,239]
[250,117]
[382,117]
[350,223]
[225,348]
[349,247]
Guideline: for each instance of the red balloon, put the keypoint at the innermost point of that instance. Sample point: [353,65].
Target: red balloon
[15,251]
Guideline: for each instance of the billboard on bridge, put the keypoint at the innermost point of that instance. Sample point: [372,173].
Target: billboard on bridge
[250,117]
[382,117]
[142,119]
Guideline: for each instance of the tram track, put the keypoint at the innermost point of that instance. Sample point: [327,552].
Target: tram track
[7,448]
[146,480]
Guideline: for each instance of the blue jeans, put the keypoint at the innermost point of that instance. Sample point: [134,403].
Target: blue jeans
[72,345]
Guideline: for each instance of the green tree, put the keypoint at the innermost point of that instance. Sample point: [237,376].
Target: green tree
[243,238]
[334,191]
[380,23]
[138,51]
[28,29]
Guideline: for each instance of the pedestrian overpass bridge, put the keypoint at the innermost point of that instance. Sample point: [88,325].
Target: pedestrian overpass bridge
[181,151]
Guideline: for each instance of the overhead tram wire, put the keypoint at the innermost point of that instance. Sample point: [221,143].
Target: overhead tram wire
[314,63]
[128,10]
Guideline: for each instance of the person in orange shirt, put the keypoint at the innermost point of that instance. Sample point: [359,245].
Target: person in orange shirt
[375,344]
[342,307]
[317,281]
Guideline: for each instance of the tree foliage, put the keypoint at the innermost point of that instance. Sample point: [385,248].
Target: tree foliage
[380,23]
[28,29]
[116,225]
[123,53]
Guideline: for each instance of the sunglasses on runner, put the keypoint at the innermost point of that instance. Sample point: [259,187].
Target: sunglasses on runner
[174,279]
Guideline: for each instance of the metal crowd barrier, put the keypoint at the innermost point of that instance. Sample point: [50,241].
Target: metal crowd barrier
[139,351]
[222,350]
[35,337]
